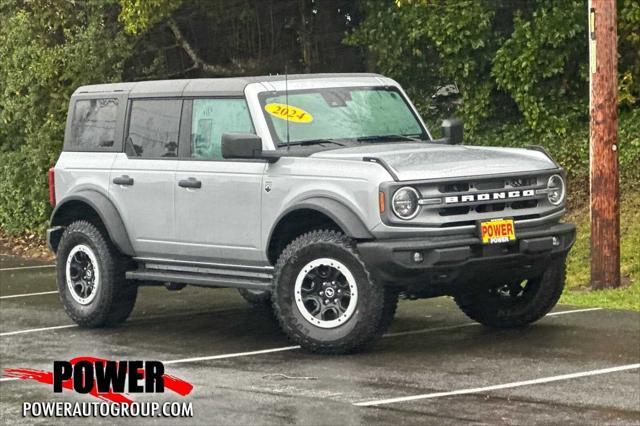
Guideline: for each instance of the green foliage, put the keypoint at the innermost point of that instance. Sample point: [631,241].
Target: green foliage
[629,52]
[140,15]
[571,149]
[528,57]
[629,143]
[463,37]
[541,65]
[579,261]
[426,45]
[49,48]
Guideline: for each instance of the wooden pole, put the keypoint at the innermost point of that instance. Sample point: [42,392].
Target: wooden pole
[603,129]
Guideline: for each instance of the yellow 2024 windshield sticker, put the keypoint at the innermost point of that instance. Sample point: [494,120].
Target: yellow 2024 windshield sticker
[288,112]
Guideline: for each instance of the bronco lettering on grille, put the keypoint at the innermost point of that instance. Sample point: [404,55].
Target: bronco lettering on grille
[488,196]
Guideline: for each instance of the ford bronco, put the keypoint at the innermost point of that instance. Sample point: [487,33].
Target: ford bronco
[323,196]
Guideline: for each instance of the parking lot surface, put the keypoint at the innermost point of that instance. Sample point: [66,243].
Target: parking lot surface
[434,366]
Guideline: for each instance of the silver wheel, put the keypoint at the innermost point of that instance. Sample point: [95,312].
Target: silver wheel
[326,293]
[82,274]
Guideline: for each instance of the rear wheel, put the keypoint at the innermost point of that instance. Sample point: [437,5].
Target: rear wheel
[91,277]
[517,303]
[323,296]
[256,298]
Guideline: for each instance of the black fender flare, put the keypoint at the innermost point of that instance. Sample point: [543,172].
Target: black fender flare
[342,215]
[107,212]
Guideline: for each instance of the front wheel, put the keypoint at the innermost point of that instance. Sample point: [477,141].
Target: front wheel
[323,296]
[517,303]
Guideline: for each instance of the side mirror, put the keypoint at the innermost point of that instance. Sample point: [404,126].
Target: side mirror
[241,145]
[452,131]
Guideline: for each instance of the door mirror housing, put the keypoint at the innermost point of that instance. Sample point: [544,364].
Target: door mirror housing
[244,146]
[452,131]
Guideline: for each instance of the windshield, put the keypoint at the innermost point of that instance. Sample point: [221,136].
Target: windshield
[339,113]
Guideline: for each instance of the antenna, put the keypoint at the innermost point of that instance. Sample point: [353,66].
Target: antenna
[286,97]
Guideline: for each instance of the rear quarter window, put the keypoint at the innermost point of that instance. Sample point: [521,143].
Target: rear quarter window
[93,125]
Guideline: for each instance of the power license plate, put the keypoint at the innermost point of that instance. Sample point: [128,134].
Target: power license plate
[497,231]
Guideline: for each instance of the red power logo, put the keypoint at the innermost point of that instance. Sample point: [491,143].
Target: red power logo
[105,379]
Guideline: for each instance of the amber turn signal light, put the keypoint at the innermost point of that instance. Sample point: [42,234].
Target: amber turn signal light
[381,201]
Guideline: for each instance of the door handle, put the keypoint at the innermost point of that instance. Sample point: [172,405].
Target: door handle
[190,183]
[123,180]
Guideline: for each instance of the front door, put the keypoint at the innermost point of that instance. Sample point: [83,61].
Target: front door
[217,201]
[142,179]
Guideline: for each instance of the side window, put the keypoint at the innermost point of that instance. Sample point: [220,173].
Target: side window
[213,117]
[94,124]
[153,128]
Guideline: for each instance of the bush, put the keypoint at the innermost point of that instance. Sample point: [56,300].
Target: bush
[24,190]
[48,49]
[571,150]
[519,61]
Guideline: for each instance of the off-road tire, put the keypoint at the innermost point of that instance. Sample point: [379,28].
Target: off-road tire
[391,297]
[256,298]
[488,310]
[360,329]
[115,296]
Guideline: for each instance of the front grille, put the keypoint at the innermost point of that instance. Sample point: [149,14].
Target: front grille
[526,204]
[474,187]
[464,202]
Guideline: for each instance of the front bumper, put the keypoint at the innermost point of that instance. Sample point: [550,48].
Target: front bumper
[450,261]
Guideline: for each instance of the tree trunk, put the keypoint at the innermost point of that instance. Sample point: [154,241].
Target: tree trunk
[305,34]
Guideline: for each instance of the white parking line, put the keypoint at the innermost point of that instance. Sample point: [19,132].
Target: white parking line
[472,324]
[498,387]
[13,296]
[33,330]
[401,333]
[235,355]
[573,311]
[429,330]
[18,268]
[205,358]
[291,348]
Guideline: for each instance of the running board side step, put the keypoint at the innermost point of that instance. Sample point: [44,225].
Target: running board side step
[260,281]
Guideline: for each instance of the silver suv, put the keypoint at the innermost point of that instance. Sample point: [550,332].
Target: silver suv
[323,196]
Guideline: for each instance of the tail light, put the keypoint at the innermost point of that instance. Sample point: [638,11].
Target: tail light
[52,187]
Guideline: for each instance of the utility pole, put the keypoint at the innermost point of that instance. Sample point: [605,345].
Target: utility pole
[603,132]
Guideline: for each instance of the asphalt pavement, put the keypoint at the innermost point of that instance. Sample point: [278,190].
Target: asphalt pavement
[434,366]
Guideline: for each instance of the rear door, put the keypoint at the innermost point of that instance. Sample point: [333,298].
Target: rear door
[142,178]
[217,201]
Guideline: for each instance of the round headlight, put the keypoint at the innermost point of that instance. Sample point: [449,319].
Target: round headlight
[555,190]
[405,203]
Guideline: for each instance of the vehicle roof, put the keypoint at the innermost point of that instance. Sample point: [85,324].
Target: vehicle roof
[206,86]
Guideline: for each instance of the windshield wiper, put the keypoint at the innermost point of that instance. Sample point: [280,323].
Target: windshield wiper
[387,138]
[311,142]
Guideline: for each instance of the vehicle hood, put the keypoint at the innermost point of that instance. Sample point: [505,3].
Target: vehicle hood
[424,160]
